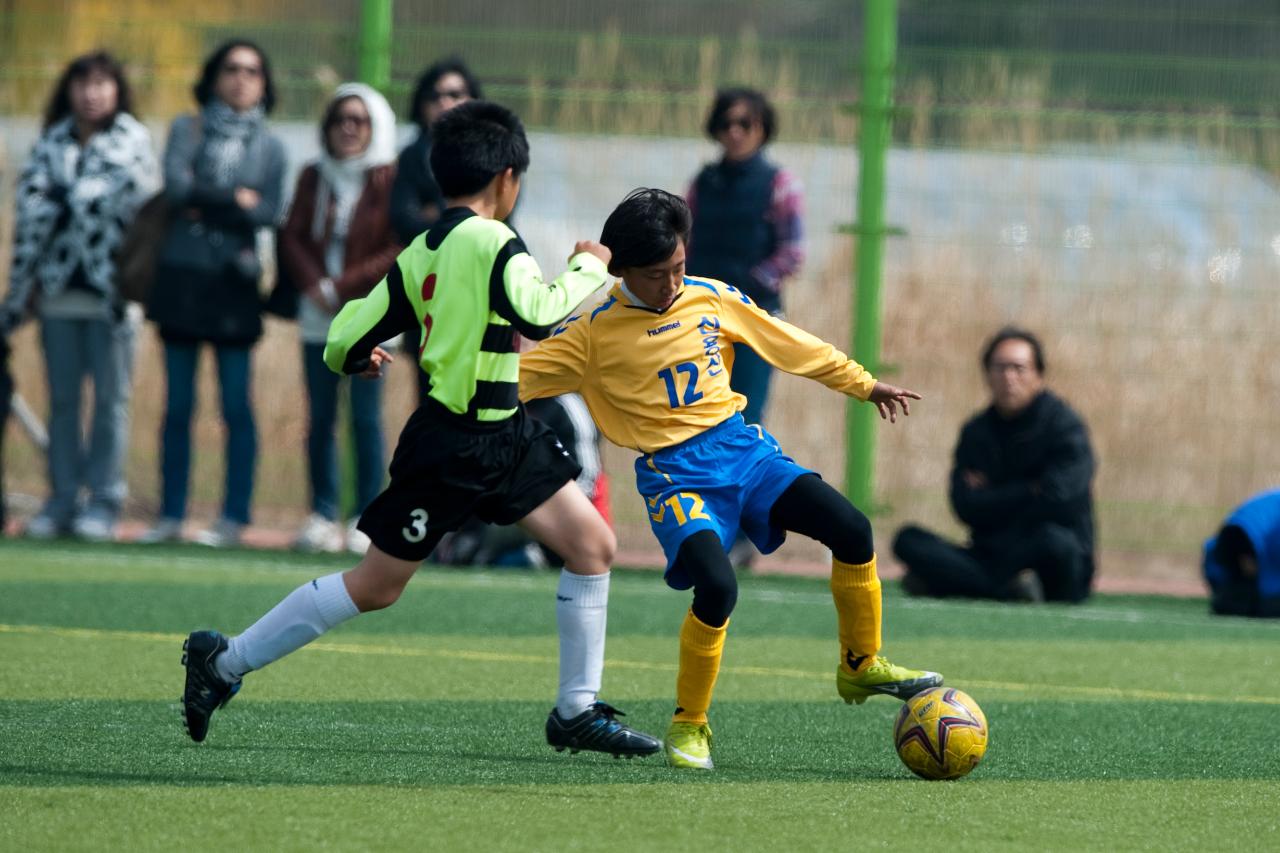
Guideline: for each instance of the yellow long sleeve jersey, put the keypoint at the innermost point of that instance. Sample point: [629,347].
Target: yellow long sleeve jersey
[653,379]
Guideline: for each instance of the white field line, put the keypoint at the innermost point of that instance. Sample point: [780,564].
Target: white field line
[382,650]
[464,578]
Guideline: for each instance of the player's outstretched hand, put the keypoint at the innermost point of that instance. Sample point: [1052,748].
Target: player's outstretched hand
[377,358]
[888,397]
[600,250]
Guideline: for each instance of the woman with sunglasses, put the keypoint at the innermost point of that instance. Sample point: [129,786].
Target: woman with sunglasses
[747,231]
[224,175]
[336,244]
[416,200]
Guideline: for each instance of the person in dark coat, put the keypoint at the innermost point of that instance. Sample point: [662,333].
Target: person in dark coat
[416,199]
[224,179]
[747,223]
[1022,484]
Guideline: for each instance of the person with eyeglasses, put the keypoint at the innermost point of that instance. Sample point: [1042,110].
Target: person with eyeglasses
[1022,482]
[224,181]
[747,223]
[335,245]
[747,231]
[416,198]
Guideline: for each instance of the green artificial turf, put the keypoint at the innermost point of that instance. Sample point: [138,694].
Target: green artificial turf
[1127,723]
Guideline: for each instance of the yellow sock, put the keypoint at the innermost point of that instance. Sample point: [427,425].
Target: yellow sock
[700,650]
[856,590]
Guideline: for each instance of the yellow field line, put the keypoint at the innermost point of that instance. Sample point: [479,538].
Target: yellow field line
[764,671]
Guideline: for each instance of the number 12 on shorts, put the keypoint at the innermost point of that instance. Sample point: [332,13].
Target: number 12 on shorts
[658,508]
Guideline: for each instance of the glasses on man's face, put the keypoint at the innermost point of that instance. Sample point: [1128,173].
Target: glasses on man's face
[727,124]
[451,94]
[348,120]
[1000,368]
[236,68]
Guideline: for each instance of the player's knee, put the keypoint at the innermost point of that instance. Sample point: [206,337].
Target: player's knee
[593,553]
[714,598]
[377,597]
[851,540]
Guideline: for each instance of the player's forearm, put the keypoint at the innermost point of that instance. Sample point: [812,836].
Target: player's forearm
[539,306]
[801,354]
[362,324]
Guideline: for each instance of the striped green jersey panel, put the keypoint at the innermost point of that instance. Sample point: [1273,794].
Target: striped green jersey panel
[453,299]
[470,284]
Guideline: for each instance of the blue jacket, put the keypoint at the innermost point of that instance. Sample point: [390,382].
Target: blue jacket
[1259,518]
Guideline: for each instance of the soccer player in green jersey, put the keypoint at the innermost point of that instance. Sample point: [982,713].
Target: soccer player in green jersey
[464,287]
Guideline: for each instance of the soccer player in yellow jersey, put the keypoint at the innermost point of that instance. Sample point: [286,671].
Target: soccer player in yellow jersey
[653,363]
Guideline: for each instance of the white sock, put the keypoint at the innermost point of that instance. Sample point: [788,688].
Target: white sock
[299,618]
[582,604]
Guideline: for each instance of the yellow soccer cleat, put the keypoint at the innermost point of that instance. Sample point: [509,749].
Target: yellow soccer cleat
[886,679]
[689,745]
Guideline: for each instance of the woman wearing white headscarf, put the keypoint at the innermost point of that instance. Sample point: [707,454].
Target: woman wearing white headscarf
[335,246]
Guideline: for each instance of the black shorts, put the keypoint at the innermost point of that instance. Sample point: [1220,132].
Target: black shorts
[447,468]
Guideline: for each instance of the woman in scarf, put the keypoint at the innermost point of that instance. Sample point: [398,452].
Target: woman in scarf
[337,243]
[224,177]
[88,174]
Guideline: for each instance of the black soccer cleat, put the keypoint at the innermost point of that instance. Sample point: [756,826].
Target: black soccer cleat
[596,729]
[205,691]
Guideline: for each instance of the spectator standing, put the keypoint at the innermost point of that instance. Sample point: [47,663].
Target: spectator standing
[223,176]
[416,199]
[747,224]
[1022,483]
[87,175]
[336,244]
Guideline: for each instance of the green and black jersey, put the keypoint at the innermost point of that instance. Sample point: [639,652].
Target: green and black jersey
[468,283]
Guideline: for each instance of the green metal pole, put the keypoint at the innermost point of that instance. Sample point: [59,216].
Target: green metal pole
[375,43]
[375,70]
[879,49]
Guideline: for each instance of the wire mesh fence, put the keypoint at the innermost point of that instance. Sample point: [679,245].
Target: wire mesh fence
[1103,173]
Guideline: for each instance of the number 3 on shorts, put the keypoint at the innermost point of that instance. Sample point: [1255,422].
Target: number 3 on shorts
[417,531]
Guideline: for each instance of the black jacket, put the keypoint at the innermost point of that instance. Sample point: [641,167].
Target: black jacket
[1039,468]
[415,192]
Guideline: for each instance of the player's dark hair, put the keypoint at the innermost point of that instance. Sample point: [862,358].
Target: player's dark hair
[754,100]
[205,90]
[473,143]
[646,228]
[425,89]
[1232,546]
[79,68]
[1013,333]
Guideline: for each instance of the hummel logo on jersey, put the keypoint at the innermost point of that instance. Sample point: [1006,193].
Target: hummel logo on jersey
[668,327]
[854,662]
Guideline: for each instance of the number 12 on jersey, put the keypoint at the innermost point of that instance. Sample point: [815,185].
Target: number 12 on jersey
[691,392]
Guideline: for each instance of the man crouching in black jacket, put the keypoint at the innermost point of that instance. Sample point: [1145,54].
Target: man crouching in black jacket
[1022,484]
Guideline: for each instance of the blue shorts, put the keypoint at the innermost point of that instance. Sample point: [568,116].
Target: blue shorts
[724,479]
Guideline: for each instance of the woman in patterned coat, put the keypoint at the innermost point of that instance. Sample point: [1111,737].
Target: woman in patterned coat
[87,175]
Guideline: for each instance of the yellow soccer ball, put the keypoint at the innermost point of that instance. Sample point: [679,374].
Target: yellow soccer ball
[940,733]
